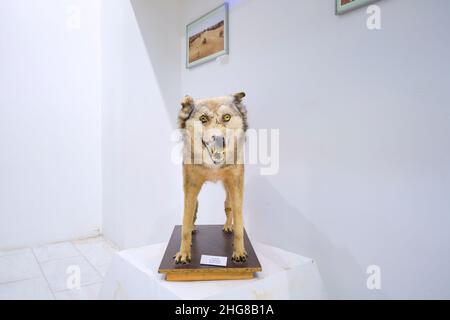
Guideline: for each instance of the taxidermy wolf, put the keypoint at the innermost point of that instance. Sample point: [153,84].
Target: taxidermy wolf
[213,139]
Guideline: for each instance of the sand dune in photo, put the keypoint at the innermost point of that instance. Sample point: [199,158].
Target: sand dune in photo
[207,42]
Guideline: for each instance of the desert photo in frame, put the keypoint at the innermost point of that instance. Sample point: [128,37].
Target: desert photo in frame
[343,6]
[207,37]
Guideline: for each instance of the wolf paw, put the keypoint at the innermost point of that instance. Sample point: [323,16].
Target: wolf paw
[239,256]
[182,258]
[228,228]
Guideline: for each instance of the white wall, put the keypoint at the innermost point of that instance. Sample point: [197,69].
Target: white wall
[365,137]
[50,122]
[141,88]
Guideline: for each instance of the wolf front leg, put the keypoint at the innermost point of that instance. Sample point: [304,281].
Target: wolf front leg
[191,191]
[235,187]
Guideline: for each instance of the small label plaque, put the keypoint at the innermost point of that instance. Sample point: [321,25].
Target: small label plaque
[213,261]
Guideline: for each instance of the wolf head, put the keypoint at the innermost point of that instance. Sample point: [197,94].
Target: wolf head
[214,130]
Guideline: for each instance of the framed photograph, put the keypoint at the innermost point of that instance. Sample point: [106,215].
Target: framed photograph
[207,37]
[343,6]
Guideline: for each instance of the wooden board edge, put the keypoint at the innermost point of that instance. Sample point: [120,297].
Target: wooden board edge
[199,276]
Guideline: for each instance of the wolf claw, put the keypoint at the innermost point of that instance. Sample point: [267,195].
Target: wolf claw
[182,258]
[239,257]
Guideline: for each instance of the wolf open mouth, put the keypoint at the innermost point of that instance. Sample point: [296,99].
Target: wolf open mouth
[216,152]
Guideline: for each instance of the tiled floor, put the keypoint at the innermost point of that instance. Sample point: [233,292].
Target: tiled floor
[47,272]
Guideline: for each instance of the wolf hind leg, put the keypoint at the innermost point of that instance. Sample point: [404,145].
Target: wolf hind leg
[228,227]
[194,228]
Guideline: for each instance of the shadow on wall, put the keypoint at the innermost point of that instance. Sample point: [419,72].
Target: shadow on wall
[158,23]
[274,220]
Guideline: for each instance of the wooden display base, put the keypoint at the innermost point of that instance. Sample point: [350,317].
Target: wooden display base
[208,240]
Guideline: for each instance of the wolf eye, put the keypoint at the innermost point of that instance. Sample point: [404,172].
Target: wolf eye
[204,119]
[226,118]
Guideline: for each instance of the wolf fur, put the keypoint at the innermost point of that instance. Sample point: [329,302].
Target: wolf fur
[211,153]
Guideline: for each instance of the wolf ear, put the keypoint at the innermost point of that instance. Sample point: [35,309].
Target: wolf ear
[238,97]
[187,101]
[187,106]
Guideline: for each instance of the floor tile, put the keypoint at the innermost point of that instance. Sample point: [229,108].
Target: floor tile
[31,289]
[55,251]
[58,274]
[18,266]
[99,253]
[90,292]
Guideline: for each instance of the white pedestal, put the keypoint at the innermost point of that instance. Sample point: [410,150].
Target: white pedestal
[134,275]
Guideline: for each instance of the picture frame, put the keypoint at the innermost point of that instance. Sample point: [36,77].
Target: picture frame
[207,37]
[344,6]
